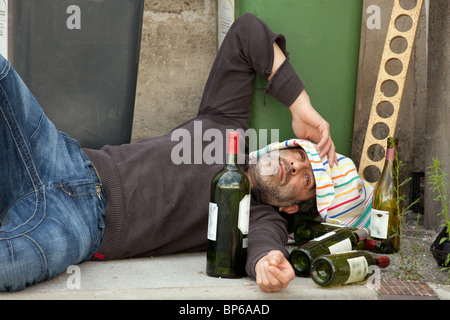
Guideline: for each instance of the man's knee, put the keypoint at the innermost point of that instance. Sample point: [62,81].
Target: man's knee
[22,264]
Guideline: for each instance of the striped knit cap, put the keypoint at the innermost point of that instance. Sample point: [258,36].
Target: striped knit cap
[342,196]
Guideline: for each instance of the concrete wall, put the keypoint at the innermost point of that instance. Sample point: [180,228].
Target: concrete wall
[178,48]
[438,112]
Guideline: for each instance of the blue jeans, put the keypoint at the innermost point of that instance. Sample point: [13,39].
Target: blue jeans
[52,204]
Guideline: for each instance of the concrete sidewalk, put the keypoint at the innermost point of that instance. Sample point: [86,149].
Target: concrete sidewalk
[178,277]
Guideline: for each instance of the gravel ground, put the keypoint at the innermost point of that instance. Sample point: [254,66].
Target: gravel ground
[416,242]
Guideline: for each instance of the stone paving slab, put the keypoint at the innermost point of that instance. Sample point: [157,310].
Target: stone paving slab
[178,277]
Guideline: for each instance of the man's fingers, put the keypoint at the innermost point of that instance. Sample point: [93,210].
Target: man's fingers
[275,258]
[274,279]
[326,148]
[265,279]
[332,155]
[278,278]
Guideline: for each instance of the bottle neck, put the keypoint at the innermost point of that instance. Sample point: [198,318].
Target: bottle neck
[373,245]
[391,150]
[362,234]
[232,148]
[390,154]
[390,164]
[232,159]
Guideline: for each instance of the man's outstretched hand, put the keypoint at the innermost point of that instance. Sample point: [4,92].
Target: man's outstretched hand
[273,272]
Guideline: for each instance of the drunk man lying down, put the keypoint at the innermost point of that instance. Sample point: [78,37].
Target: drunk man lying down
[61,205]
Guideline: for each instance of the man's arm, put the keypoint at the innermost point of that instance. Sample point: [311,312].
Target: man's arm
[306,121]
[252,47]
[266,253]
[308,124]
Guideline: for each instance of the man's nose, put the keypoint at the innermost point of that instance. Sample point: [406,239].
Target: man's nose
[296,166]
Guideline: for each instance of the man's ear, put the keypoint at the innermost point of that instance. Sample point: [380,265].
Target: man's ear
[289,210]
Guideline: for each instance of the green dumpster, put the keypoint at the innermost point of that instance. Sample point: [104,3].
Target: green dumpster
[323,38]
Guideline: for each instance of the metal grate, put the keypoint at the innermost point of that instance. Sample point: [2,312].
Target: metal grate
[406,290]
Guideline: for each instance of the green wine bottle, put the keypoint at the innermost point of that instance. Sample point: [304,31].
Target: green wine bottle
[307,230]
[385,215]
[340,240]
[229,214]
[345,267]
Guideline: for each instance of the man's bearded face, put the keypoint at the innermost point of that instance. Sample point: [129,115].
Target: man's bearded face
[285,176]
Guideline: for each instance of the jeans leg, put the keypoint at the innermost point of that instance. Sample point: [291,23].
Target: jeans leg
[50,209]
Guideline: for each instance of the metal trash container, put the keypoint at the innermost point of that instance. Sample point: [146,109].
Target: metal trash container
[80,60]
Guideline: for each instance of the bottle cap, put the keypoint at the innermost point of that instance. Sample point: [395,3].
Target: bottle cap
[233,142]
[391,149]
[390,154]
[383,261]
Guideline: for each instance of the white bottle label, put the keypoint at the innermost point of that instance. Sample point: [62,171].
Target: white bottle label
[244,214]
[245,243]
[358,269]
[326,235]
[341,246]
[212,221]
[379,223]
